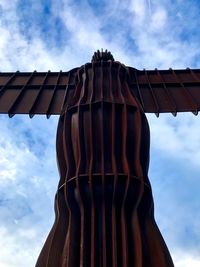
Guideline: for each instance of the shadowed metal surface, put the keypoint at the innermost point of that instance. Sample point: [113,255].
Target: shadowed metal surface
[158,91]
[104,205]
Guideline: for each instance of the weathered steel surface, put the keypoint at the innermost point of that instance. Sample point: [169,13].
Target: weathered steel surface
[104,204]
[34,93]
[43,93]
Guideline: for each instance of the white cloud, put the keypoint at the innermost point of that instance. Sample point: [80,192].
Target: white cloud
[16,249]
[159,19]
[178,137]
[26,188]
[183,259]
[139,10]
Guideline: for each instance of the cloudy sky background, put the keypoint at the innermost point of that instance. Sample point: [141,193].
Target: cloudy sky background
[56,35]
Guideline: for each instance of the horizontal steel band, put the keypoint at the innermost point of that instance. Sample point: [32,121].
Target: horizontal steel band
[73,179]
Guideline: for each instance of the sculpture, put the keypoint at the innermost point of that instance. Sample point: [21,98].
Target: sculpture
[104,204]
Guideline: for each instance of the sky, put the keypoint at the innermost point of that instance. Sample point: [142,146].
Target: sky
[60,35]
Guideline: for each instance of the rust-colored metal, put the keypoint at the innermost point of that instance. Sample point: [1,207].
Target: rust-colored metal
[158,91]
[103,205]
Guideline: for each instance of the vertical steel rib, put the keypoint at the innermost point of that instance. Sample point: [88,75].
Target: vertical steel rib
[137,259]
[91,178]
[139,91]
[65,98]
[19,97]
[103,172]
[48,262]
[193,75]
[133,141]
[81,147]
[34,105]
[4,87]
[79,189]
[153,95]
[48,113]
[189,97]
[126,170]
[171,100]
[77,90]
[66,251]
[114,168]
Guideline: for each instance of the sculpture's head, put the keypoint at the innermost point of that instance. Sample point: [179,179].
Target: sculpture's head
[102,56]
[104,79]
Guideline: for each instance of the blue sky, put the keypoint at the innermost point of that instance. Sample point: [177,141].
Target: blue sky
[56,35]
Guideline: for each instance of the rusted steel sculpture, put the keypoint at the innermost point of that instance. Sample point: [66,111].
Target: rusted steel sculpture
[104,204]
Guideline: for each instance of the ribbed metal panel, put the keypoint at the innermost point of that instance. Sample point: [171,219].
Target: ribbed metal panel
[158,91]
[34,93]
[161,91]
[104,203]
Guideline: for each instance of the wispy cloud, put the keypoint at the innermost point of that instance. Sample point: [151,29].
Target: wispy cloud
[28,180]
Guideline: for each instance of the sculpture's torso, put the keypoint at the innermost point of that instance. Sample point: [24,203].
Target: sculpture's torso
[104,204]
